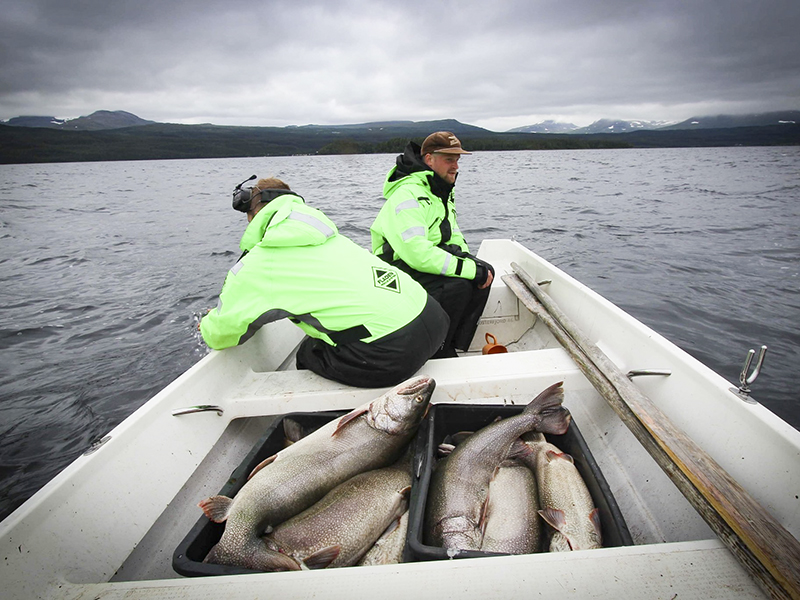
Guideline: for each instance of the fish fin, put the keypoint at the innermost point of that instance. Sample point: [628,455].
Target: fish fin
[484,518]
[216,507]
[553,517]
[343,421]
[550,455]
[261,465]
[594,517]
[322,558]
[260,556]
[445,449]
[292,431]
[405,495]
[519,449]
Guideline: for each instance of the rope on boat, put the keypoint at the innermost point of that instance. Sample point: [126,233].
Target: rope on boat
[769,553]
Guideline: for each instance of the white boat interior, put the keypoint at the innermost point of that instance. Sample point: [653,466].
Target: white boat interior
[108,525]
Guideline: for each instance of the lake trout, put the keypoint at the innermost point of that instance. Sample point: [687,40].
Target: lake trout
[567,505]
[369,437]
[456,505]
[512,524]
[338,530]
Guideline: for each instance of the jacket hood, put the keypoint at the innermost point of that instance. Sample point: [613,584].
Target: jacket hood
[410,161]
[287,221]
[411,164]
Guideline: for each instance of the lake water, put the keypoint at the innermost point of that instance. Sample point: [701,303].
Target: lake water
[106,267]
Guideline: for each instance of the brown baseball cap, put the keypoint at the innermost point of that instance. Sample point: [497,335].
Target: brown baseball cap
[443,142]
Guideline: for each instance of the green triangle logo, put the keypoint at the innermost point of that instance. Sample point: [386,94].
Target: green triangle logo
[386,279]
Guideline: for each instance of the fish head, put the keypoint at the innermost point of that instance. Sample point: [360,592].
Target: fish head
[402,408]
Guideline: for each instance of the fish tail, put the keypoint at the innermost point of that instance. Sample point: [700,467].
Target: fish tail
[549,398]
[553,417]
[216,508]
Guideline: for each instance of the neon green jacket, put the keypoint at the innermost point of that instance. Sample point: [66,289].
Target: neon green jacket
[298,266]
[409,226]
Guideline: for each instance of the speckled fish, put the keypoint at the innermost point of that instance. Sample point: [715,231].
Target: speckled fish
[456,504]
[388,549]
[371,436]
[567,505]
[338,530]
[512,523]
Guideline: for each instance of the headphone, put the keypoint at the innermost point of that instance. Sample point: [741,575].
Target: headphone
[242,196]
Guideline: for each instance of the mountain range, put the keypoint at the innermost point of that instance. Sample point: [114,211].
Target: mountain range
[626,126]
[118,135]
[106,119]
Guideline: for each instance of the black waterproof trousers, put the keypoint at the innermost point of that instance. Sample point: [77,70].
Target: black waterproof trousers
[385,362]
[462,301]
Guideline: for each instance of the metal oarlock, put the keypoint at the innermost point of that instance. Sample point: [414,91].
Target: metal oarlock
[744,379]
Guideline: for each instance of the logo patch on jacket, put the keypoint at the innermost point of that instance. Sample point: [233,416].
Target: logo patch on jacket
[386,279]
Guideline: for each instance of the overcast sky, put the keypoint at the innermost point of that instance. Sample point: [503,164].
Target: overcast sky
[497,65]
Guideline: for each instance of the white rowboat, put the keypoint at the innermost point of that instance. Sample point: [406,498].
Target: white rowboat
[107,526]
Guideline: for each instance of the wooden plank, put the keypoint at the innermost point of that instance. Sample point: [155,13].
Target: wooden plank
[761,544]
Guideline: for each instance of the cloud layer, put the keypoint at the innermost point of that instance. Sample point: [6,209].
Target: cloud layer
[497,65]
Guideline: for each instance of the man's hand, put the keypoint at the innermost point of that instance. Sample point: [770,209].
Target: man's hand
[488,281]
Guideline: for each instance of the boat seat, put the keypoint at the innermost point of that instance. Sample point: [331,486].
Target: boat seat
[458,379]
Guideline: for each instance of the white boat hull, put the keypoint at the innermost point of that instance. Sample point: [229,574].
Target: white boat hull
[107,525]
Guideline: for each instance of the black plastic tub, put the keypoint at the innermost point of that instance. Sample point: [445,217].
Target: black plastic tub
[188,556]
[446,419]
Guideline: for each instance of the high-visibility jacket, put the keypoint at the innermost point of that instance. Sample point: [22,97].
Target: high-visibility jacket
[297,265]
[417,223]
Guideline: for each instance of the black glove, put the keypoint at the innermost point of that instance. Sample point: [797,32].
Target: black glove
[482,270]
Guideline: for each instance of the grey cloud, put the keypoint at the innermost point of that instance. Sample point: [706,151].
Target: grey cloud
[288,62]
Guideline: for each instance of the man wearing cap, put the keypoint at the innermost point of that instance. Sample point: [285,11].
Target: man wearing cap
[368,324]
[416,230]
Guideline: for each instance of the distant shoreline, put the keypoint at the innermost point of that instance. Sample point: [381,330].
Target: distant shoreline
[161,141]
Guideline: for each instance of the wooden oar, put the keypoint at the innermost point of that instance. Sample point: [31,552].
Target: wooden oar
[761,544]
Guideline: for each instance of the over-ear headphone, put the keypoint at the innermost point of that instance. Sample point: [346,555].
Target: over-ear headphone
[242,196]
